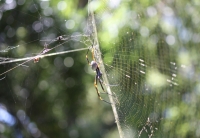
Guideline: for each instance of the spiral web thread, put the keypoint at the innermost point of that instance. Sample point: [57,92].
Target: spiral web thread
[144,72]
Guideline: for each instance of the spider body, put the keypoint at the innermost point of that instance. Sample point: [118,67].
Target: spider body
[98,76]
[94,65]
[36,59]
[59,38]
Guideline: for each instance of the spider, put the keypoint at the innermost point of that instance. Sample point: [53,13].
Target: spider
[98,76]
[59,38]
[37,59]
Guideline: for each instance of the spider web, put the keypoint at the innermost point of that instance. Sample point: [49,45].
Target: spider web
[147,67]
[143,53]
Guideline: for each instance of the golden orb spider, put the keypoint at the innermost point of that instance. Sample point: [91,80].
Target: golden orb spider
[98,76]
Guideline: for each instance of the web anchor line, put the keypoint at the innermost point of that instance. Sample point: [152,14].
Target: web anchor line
[42,53]
[97,55]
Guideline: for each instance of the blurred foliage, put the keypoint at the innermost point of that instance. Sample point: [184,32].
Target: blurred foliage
[150,51]
[58,99]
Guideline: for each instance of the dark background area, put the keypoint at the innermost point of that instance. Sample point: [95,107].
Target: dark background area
[50,98]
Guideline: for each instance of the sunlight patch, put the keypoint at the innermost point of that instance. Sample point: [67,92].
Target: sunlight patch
[156,79]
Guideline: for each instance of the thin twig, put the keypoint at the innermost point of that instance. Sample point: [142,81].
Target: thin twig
[98,53]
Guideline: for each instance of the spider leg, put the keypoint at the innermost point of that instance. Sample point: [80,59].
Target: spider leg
[98,93]
[87,57]
[104,92]
[100,81]
[92,55]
